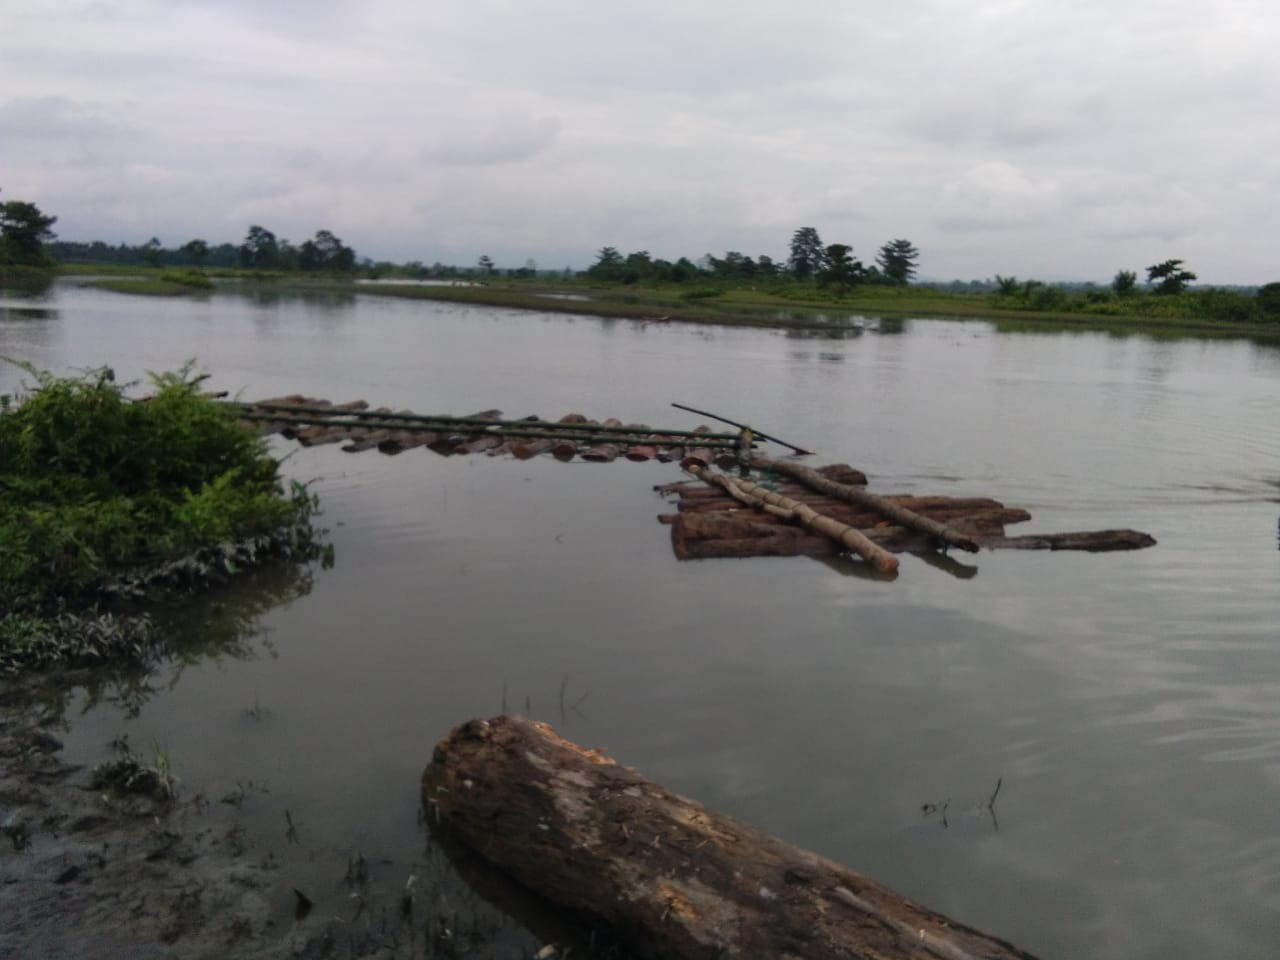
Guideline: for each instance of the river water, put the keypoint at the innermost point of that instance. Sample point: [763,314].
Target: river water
[1129,703]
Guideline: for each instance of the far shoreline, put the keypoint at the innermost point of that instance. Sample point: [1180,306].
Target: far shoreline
[731,307]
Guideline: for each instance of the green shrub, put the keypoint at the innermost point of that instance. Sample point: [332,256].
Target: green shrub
[98,490]
[188,277]
[702,293]
[1268,300]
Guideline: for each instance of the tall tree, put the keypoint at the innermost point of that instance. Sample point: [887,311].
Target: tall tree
[195,251]
[897,260]
[1171,277]
[485,264]
[808,256]
[608,265]
[23,232]
[841,270]
[260,250]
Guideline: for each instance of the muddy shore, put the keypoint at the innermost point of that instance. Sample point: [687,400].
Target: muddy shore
[102,861]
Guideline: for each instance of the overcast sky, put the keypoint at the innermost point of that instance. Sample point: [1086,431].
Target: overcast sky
[1060,139]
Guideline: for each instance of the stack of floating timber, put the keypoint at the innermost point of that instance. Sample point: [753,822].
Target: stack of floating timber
[798,511]
[802,511]
[313,421]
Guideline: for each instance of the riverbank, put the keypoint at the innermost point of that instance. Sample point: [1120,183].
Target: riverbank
[747,307]
[1208,313]
[115,861]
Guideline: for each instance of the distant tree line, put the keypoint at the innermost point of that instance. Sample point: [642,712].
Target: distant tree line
[810,261]
[1167,293]
[812,269]
[260,250]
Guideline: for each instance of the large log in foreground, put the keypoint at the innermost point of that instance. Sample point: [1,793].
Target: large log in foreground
[680,881]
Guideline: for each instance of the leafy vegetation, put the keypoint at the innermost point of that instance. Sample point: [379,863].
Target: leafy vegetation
[104,497]
[261,249]
[169,283]
[24,261]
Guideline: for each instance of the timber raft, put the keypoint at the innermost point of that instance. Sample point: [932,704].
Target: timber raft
[772,507]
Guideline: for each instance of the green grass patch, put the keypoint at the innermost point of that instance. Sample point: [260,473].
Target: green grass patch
[104,497]
[83,268]
[170,283]
[787,304]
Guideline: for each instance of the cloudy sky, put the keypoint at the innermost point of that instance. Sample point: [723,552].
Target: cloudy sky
[1060,139]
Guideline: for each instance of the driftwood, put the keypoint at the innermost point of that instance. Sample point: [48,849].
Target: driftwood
[907,518]
[674,879]
[759,496]
[605,452]
[698,454]
[1091,541]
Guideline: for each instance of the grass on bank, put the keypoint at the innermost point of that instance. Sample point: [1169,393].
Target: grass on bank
[104,497]
[167,283]
[1211,312]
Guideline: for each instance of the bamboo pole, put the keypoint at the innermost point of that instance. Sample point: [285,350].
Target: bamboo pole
[842,533]
[735,423]
[550,430]
[908,518]
[444,421]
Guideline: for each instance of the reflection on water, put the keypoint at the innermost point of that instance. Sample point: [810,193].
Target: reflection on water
[1130,702]
[9,312]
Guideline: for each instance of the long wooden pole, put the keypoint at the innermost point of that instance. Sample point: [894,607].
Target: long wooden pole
[441,422]
[531,429]
[735,423]
[842,533]
[842,491]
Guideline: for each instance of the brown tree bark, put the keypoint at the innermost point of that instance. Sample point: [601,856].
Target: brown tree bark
[676,880]
[815,481]
[850,537]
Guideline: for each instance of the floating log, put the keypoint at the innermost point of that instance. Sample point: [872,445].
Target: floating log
[908,518]
[605,452]
[700,454]
[490,418]
[850,537]
[641,452]
[678,880]
[1092,541]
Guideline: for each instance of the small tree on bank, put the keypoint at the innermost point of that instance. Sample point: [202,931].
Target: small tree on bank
[1125,283]
[1169,277]
[841,270]
[23,233]
[897,260]
[808,257]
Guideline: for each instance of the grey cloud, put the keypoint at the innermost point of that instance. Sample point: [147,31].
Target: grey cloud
[495,141]
[58,118]
[995,196]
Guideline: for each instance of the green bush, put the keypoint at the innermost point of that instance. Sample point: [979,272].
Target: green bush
[1268,300]
[97,489]
[702,293]
[196,279]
